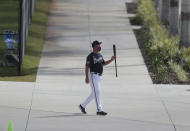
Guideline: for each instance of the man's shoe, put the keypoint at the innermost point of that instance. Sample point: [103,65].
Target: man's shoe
[82,109]
[102,113]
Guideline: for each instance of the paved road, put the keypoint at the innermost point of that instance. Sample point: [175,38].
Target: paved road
[132,101]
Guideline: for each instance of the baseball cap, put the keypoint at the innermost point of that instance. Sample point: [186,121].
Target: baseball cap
[94,43]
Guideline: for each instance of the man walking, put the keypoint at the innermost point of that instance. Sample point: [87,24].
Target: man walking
[95,62]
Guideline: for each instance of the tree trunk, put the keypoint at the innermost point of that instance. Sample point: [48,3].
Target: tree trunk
[185,23]
[165,11]
[175,16]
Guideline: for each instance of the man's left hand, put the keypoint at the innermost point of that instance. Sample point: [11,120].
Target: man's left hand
[112,58]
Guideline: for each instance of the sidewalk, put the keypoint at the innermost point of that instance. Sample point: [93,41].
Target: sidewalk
[132,101]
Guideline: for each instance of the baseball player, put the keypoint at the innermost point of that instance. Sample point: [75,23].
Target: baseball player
[95,63]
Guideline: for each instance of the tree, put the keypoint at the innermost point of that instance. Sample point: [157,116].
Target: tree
[185,23]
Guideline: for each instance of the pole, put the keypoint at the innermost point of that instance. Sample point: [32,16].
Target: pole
[20,38]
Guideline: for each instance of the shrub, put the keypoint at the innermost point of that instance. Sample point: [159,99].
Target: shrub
[161,47]
[180,72]
[136,20]
[186,58]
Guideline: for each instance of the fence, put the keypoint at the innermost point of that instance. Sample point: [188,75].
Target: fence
[15,17]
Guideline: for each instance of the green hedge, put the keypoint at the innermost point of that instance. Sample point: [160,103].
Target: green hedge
[163,49]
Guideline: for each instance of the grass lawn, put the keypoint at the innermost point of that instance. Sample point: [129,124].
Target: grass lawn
[36,39]
[8,20]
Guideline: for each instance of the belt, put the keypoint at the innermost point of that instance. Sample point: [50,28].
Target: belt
[96,73]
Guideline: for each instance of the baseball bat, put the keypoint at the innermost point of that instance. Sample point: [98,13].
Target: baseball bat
[114,52]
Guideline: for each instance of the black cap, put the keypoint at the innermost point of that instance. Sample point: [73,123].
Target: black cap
[94,43]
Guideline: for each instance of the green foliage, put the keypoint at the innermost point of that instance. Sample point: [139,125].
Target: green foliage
[186,58]
[136,20]
[180,72]
[161,47]
[147,12]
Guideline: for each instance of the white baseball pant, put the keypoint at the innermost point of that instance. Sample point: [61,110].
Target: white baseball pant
[95,80]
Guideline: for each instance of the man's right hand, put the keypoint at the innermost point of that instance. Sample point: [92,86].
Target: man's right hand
[87,80]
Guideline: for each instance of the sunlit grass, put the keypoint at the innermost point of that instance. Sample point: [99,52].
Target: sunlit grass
[34,45]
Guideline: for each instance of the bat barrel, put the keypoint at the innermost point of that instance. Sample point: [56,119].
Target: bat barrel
[114,51]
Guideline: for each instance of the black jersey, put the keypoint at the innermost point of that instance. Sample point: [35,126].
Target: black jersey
[95,62]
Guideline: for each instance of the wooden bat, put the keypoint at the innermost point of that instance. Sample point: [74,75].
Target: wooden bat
[114,52]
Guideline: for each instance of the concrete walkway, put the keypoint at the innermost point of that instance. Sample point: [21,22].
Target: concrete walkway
[132,101]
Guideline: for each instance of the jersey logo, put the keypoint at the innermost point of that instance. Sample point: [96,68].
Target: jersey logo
[99,60]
